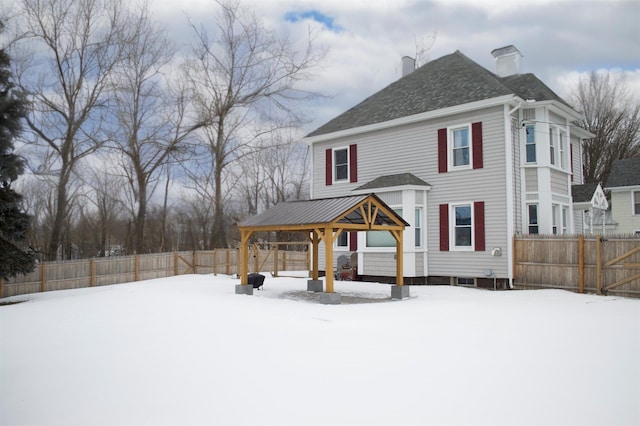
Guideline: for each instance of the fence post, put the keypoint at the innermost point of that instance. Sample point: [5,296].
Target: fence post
[215,262]
[275,261]
[599,264]
[136,267]
[581,264]
[43,276]
[284,261]
[1,289]
[195,262]
[228,262]
[92,271]
[175,263]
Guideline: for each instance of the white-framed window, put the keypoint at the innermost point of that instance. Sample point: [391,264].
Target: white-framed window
[530,143]
[462,229]
[382,238]
[554,213]
[460,147]
[552,146]
[343,240]
[565,220]
[635,196]
[532,210]
[418,227]
[340,164]
[562,145]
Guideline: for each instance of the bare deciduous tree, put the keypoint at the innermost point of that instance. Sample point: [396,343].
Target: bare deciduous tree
[150,116]
[74,46]
[613,117]
[246,79]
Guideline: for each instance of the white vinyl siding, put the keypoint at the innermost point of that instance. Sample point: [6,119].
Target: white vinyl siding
[413,149]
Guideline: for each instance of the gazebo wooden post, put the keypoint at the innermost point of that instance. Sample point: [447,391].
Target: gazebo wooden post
[243,288]
[315,242]
[399,258]
[328,263]
[399,291]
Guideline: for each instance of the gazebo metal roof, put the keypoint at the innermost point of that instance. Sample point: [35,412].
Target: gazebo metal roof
[340,211]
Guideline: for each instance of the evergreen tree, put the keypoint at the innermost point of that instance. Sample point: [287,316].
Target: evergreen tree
[14,222]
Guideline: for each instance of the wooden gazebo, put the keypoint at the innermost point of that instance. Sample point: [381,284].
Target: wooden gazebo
[324,220]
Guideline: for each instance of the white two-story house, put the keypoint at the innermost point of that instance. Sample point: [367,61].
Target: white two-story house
[468,157]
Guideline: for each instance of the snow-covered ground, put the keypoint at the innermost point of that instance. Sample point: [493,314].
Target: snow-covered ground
[188,350]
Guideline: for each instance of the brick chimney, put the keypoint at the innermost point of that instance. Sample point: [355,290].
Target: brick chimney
[507,60]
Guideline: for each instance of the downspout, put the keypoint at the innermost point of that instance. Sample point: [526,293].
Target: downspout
[508,141]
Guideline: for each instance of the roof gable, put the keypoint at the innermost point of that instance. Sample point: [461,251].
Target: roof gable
[448,81]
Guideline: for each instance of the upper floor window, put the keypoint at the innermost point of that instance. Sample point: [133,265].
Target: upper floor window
[636,202]
[460,149]
[552,146]
[341,164]
[562,144]
[530,141]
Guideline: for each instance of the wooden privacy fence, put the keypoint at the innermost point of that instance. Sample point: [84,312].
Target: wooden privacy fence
[66,275]
[601,265]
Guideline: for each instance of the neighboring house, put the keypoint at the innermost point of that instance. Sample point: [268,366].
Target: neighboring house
[624,185]
[592,201]
[467,157]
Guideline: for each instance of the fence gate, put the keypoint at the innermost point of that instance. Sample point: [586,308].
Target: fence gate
[618,269]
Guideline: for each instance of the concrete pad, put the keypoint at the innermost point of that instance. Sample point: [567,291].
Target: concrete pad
[330,298]
[244,289]
[314,285]
[400,292]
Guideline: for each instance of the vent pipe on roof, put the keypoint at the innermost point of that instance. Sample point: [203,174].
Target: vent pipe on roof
[507,60]
[408,65]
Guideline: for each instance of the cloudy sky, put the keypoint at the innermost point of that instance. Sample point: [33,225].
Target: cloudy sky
[560,40]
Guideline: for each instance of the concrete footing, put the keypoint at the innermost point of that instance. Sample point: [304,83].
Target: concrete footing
[330,298]
[314,285]
[244,289]
[400,292]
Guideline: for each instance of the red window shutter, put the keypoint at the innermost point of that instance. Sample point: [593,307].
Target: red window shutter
[353,163]
[478,225]
[444,227]
[353,241]
[442,150]
[476,140]
[329,167]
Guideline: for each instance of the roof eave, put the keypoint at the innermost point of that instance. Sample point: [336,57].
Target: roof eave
[485,103]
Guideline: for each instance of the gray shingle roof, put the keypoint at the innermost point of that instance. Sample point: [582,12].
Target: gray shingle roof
[583,193]
[389,181]
[624,173]
[321,211]
[445,82]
